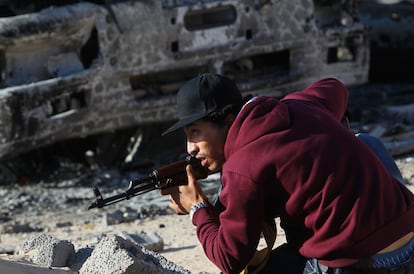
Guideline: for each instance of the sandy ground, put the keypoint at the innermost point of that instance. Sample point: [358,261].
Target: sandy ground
[178,233]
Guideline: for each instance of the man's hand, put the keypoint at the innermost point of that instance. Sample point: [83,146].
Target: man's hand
[185,196]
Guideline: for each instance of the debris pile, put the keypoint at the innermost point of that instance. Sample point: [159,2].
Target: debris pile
[113,254]
[46,228]
[385,111]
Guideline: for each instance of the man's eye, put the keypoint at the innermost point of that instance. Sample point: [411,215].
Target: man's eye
[195,132]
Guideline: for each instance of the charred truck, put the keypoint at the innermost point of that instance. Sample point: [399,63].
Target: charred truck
[97,77]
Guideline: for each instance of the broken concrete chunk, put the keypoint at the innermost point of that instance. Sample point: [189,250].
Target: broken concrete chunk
[47,251]
[115,255]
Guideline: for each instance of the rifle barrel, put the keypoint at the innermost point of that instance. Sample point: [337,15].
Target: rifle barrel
[136,187]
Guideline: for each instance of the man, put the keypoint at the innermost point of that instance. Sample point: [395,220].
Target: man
[294,160]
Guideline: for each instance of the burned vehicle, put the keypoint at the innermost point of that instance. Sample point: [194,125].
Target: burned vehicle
[97,79]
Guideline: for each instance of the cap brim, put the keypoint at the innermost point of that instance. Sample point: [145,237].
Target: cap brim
[184,122]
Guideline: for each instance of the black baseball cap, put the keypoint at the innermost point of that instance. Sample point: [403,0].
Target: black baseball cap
[203,95]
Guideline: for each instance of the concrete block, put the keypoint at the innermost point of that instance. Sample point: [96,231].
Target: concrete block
[47,251]
[115,255]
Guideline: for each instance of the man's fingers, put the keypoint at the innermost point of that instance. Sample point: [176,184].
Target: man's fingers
[190,174]
[196,190]
[176,205]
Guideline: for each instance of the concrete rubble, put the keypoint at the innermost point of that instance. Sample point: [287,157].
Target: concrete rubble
[46,250]
[115,254]
[46,228]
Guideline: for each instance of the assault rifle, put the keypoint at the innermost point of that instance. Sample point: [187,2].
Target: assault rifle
[173,174]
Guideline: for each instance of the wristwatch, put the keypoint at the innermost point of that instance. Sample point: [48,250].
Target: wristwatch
[196,207]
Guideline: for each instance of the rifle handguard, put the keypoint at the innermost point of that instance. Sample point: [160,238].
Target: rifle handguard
[173,174]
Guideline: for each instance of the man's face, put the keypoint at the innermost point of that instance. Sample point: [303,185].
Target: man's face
[206,141]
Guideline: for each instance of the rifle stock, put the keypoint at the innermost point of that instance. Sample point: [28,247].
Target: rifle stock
[173,174]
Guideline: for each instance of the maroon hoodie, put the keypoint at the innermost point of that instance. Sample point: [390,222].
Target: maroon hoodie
[294,160]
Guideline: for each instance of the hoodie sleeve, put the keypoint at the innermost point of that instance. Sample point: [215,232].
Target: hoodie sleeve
[230,240]
[329,93]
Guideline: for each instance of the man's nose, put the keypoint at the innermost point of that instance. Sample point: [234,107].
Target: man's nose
[192,148]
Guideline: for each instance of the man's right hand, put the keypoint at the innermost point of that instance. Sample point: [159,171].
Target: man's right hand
[183,197]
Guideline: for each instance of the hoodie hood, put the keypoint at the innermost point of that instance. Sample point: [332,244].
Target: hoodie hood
[265,115]
[328,93]
[258,117]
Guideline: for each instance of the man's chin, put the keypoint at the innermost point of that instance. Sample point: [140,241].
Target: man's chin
[216,170]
